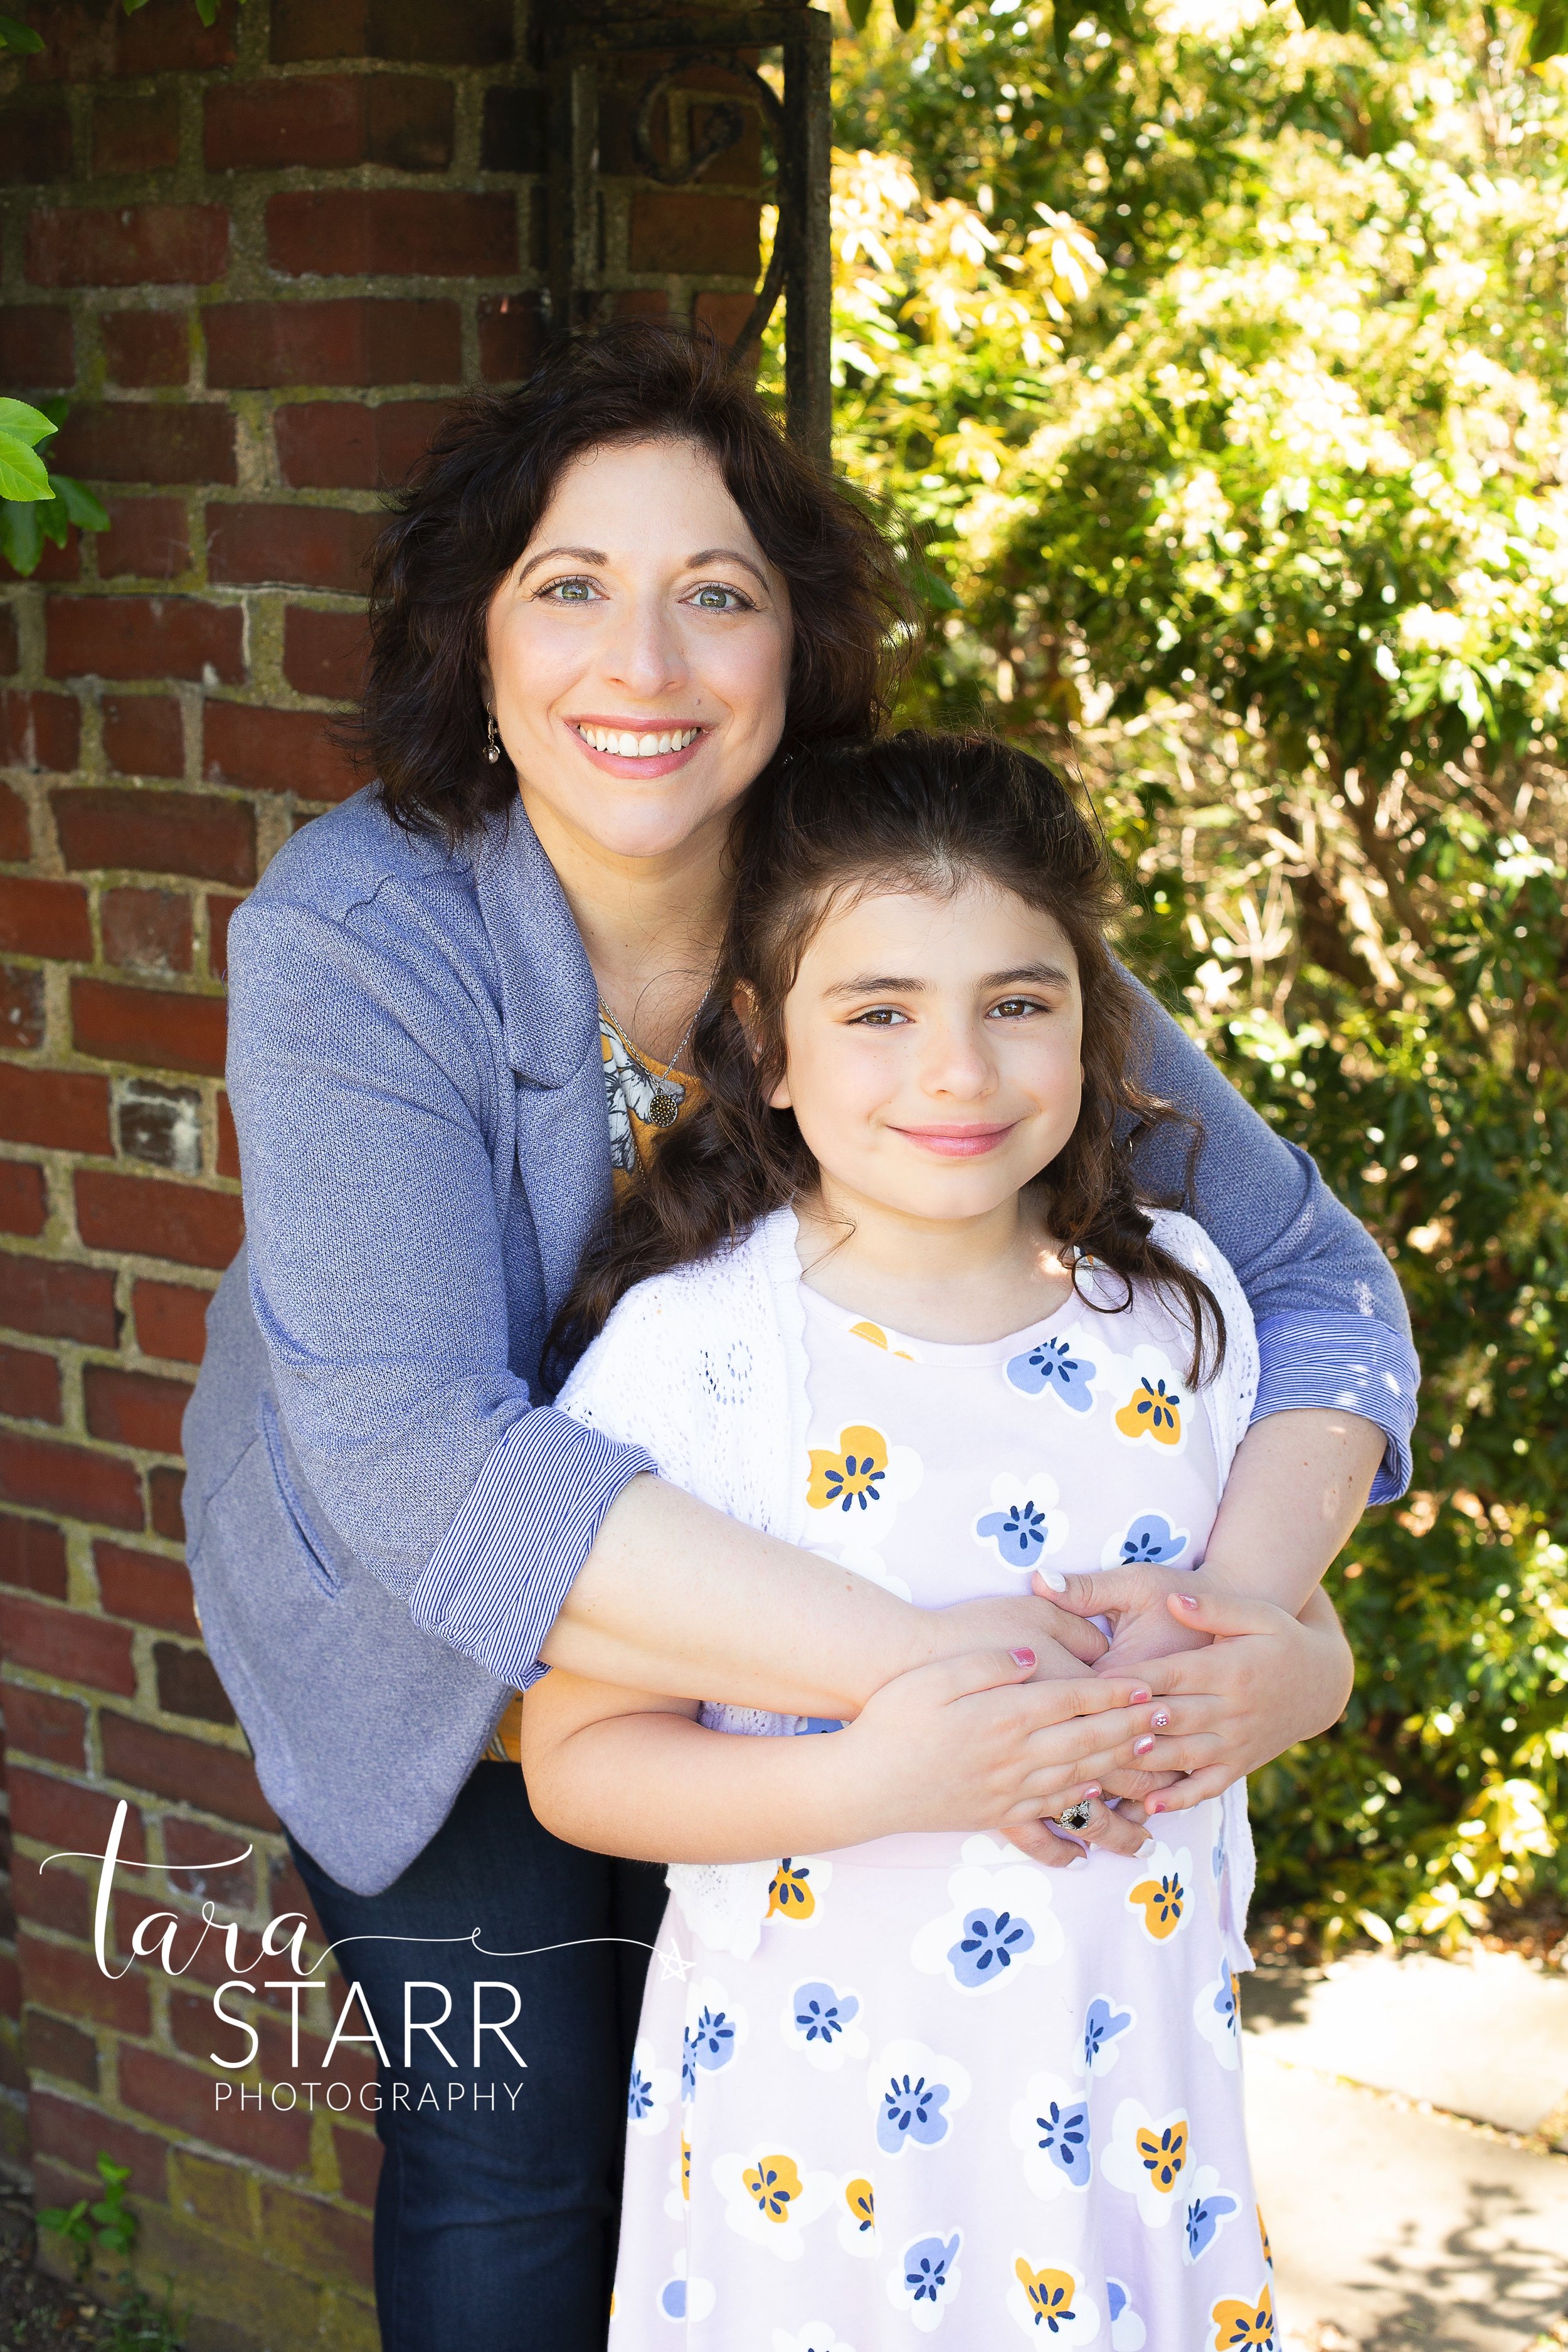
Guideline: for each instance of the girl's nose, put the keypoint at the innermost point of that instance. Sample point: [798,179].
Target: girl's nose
[956,1063]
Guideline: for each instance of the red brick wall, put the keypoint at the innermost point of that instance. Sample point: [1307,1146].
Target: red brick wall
[258,258]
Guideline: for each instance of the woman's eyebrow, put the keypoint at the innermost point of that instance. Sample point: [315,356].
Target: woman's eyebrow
[729,555]
[594,555]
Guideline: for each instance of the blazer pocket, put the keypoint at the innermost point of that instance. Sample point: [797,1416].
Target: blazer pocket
[315,1554]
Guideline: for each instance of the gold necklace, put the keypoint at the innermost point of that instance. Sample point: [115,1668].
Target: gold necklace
[665,1108]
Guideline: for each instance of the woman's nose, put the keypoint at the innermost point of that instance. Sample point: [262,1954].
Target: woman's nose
[645,654]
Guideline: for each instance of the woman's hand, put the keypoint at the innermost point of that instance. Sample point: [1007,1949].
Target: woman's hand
[1266,1680]
[1059,1634]
[968,1743]
[1135,1600]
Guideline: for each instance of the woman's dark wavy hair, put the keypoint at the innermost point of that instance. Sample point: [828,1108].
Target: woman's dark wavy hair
[473,503]
[911,812]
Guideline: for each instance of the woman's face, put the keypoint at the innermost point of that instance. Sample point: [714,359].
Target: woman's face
[639,653]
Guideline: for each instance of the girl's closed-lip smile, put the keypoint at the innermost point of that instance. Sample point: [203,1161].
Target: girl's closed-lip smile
[958,1142]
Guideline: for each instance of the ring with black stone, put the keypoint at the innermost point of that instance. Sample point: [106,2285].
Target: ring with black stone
[1076,1817]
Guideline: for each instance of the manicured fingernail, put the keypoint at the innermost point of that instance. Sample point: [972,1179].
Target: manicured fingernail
[1021,1657]
[1144,1851]
[1048,1576]
[1186,1599]
[1153,1805]
[1141,1697]
[1079,1861]
[1161,1722]
[1143,1746]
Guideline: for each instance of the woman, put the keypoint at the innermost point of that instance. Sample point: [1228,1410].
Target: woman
[608,603]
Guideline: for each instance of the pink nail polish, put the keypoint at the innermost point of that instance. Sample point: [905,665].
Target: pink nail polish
[1021,1657]
[1141,1698]
[1152,1805]
[1161,1722]
[1093,1789]
[1143,1746]
[1186,1599]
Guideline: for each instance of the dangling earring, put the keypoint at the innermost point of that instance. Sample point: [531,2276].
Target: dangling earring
[493,740]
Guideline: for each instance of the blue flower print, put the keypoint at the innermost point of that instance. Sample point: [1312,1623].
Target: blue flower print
[687,2065]
[821,2014]
[911,2109]
[1116,2299]
[1054,1365]
[1152,1540]
[815,1723]
[928,2266]
[1063,2134]
[1225,2000]
[990,1942]
[1020,1533]
[1102,2025]
[672,2299]
[639,2096]
[1204,2215]
[713,2040]
[1217,1858]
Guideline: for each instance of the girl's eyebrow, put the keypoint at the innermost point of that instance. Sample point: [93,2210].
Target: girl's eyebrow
[885,983]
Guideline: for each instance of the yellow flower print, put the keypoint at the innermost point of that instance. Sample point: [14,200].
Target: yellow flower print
[789,1896]
[685,2169]
[876,1337]
[1049,2294]
[854,1478]
[861,2199]
[1245,2326]
[773,2184]
[1263,2234]
[1161,1901]
[1163,2154]
[1153,1410]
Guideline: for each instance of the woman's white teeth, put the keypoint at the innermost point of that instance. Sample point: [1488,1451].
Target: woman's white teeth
[626,746]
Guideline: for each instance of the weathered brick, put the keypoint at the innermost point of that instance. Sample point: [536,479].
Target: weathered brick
[154,1218]
[193,1771]
[392,232]
[38,352]
[515,134]
[42,1724]
[170,1318]
[144,637]
[147,930]
[147,537]
[201,1958]
[274,751]
[324,653]
[326,445]
[38,731]
[159,1124]
[143,735]
[62,1110]
[67,1977]
[24,1203]
[62,1814]
[45,918]
[270,345]
[133,244]
[405,32]
[144,1587]
[165,1509]
[33,1556]
[34,141]
[400,120]
[308,547]
[227,1139]
[148,441]
[208,1871]
[696,232]
[139,133]
[21,1009]
[512,336]
[75,2134]
[56,1898]
[175,40]
[310,2235]
[358,2164]
[179,2095]
[55,564]
[55,1299]
[157,1028]
[157,833]
[9,655]
[52,2047]
[221,911]
[187,1685]
[141,1409]
[80,1483]
[67,1644]
[145,347]
[724,316]
[29,1384]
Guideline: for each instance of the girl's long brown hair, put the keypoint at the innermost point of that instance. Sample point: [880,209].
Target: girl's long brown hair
[908,812]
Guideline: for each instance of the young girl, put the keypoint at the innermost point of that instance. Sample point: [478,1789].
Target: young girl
[888,1292]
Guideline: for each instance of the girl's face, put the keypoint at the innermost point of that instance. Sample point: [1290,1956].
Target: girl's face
[638,654]
[934,1049]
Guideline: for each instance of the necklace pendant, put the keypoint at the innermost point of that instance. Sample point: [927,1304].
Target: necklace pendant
[664,1111]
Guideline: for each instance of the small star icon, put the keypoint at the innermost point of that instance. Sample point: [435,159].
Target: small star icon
[671,1963]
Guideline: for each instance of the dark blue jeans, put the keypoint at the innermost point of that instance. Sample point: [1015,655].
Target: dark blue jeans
[495,2219]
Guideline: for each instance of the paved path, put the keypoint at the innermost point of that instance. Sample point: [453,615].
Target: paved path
[1396,2223]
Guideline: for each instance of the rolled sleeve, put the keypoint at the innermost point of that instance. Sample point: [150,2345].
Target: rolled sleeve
[497,1581]
[1349,1363]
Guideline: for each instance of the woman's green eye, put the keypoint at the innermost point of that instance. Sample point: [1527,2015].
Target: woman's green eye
[571,592]
[715,599]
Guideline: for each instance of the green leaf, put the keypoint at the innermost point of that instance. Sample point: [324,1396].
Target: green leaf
[1550,37]
[20,37]
[130,7]
[858,12]
[906,11]
[207,11]
[22,536]
[25,422]
[87,512]
[22,472]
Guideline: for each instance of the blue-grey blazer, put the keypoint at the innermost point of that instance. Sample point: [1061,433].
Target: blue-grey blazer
[383,1510]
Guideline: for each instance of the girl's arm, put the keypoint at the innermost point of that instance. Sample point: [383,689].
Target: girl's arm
[968,1743]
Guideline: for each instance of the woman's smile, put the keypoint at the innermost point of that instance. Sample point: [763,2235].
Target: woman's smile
[638,747]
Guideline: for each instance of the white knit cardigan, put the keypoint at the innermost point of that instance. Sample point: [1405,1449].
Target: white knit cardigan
[706,1368]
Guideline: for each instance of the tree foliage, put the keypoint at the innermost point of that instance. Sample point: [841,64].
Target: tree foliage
[1223,374]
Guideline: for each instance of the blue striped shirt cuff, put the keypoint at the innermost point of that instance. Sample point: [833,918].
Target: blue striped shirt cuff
[1351,1362]
[495,1585]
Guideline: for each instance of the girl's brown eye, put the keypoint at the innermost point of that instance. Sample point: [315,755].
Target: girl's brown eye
[1014,1007]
